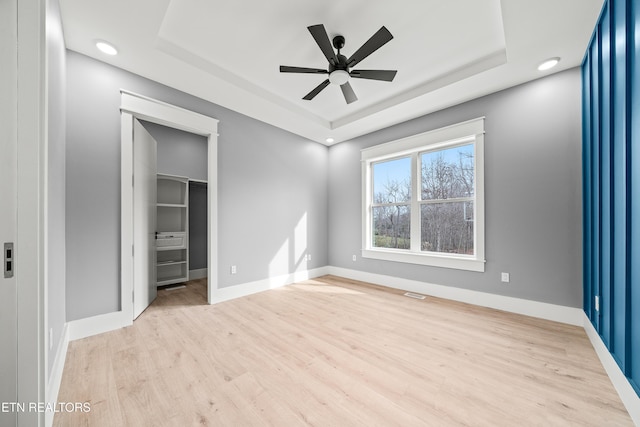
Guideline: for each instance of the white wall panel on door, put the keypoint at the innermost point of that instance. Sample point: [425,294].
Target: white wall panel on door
[145,150]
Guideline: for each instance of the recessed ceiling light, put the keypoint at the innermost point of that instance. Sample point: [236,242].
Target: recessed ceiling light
[548,64]
[107,48]
[329,140]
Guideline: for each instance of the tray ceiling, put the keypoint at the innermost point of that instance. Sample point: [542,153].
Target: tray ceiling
[229,53]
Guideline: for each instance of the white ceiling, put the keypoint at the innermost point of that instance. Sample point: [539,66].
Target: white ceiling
[229,52]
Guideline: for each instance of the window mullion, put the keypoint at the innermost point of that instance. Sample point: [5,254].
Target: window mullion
[415,202]
[377,205]
[452,200]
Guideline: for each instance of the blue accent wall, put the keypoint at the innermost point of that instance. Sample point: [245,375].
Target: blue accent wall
[611,183]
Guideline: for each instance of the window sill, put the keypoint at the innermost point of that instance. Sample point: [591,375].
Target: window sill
[459,262]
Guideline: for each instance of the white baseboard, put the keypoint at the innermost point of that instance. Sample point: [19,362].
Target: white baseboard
[201,273]
[83,328]
[55,377]
[557,313]
[627,394]
[238,291]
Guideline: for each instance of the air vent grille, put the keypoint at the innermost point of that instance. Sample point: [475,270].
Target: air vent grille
[413,295]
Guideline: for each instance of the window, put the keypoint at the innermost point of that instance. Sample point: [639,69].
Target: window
[423,199]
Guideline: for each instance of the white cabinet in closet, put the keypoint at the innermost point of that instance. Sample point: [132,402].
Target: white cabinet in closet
[172,235]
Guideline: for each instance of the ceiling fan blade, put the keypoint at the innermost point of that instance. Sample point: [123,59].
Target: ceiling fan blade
[320,35]
[384,75]
[316,91]
[287,69]
[376,41]
[349,94]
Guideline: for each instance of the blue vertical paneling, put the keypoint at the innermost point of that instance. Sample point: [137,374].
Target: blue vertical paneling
[595,173]
[605,176]
[633,331]
[611,182]
[620,188]
[587,238]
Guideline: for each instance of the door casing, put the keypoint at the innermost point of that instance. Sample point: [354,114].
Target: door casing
[134,106]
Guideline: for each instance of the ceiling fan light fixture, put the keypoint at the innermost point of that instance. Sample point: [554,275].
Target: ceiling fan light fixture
[339,77]
[548,64]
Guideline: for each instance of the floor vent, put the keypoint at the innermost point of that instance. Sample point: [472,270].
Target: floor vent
[412,295]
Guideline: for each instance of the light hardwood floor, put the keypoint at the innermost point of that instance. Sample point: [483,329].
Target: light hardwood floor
[335,352]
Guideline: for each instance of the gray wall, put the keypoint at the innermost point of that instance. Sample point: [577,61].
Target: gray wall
[179,153]
[269,180]
[274,203]
[532,193]
[56,110]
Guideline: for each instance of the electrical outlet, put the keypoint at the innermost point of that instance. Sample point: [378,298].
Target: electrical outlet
[234,270]
[308,257]
[354,258]
[505,277]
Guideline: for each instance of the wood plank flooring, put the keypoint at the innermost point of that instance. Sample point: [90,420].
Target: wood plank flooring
[336,352]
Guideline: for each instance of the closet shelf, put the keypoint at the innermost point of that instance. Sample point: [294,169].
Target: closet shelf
[170,248]
[171,205]
[167,263]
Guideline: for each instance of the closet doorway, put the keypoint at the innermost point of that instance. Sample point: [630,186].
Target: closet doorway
[181,227]
[135,107]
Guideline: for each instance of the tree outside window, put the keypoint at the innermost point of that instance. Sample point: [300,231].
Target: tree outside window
[447,195]
[391,209]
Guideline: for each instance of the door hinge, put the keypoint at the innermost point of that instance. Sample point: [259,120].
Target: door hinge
[132,250]
[8,260]
[133,298]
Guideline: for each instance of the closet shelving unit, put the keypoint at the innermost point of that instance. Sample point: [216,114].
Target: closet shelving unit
[172,236]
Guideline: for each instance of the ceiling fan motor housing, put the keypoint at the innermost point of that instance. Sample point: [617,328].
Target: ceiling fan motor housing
[341,65]
[338,43]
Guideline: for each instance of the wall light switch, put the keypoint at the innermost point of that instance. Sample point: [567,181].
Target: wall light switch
[505,277]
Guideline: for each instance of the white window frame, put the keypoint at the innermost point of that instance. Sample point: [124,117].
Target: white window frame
[471,131]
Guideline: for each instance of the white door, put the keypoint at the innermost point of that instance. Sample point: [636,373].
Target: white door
[145,152]
[8,189]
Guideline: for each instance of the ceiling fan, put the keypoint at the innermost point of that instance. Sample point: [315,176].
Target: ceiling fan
[339,66]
